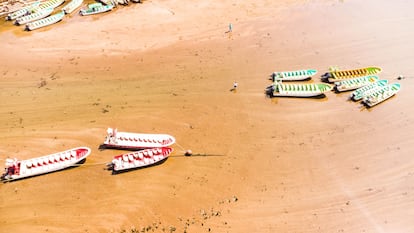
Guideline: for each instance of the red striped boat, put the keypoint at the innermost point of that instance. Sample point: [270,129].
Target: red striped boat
[124,140]
[18,169]
[140,158]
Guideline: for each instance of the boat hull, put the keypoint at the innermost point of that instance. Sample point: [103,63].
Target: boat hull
[297,75]
[381,95]
[139,159]
[360,93]
[339,75]
[355,83]
[72,6]
[135,141]
[45,21]
[297,90]
[46,164]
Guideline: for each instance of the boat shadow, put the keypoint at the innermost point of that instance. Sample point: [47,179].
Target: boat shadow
[103,147]
[42,174]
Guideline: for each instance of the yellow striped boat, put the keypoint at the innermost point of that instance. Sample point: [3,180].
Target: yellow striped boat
[335,75]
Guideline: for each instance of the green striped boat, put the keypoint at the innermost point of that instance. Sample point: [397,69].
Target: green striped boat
[354,83]
[360,93]
[293,75]
[335,75]
[381,95]
[298,90]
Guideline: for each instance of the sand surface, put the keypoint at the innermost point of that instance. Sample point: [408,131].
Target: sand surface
[263,165]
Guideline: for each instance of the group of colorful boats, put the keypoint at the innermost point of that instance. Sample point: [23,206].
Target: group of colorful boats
[364,83]
[145,150]
[40,14]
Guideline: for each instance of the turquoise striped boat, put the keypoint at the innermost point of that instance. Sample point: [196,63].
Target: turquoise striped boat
[381,94]
[360,93]
[45,22]
[355,83]
[40,14]
[297,75]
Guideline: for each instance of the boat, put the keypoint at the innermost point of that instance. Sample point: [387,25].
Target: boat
[18,169]
[381,94]
[359,93]
[354,83]
[40,14]
[71,6]
[51,4]
[335,75]
[140,158]
[23,11]
[115,139]
[45,21]
[297,90]
[96,8]
[293,75]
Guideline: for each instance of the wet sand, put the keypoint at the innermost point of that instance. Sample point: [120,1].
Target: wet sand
[261,165]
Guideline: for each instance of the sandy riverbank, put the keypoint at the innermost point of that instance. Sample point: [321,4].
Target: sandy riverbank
[274,165]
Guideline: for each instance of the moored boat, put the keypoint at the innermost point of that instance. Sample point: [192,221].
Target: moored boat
[297,90]
[51,4]
[71,6]
[354,83]
[292,75]
[96,8]
[335,75]
[18,169]
[359,93]
[40,14]
[45,21]
[115,139]
[381,95]
[23,11]
[140,158]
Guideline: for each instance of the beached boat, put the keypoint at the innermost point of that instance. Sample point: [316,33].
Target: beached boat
[51,4]
[381,94]
[40,14]
[96,8]
[335,75]
[18,169]
[23,11]
[45,21]
[293,75]
[71,6]
[355,83]
[115,139]
[297,90]
[140,158]
[367,90]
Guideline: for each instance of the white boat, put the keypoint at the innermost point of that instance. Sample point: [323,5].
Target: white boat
[360,93]
[18,169]
[115,139]
[297,90]
[40,14]
[96,8]
[51,4]
[23,11]
[381,95]
[355,83]
[45,21]
[71,6]
[140,158]
[297,75]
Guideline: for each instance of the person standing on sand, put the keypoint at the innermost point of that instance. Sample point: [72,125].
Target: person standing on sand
[230,27]
[235,84]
